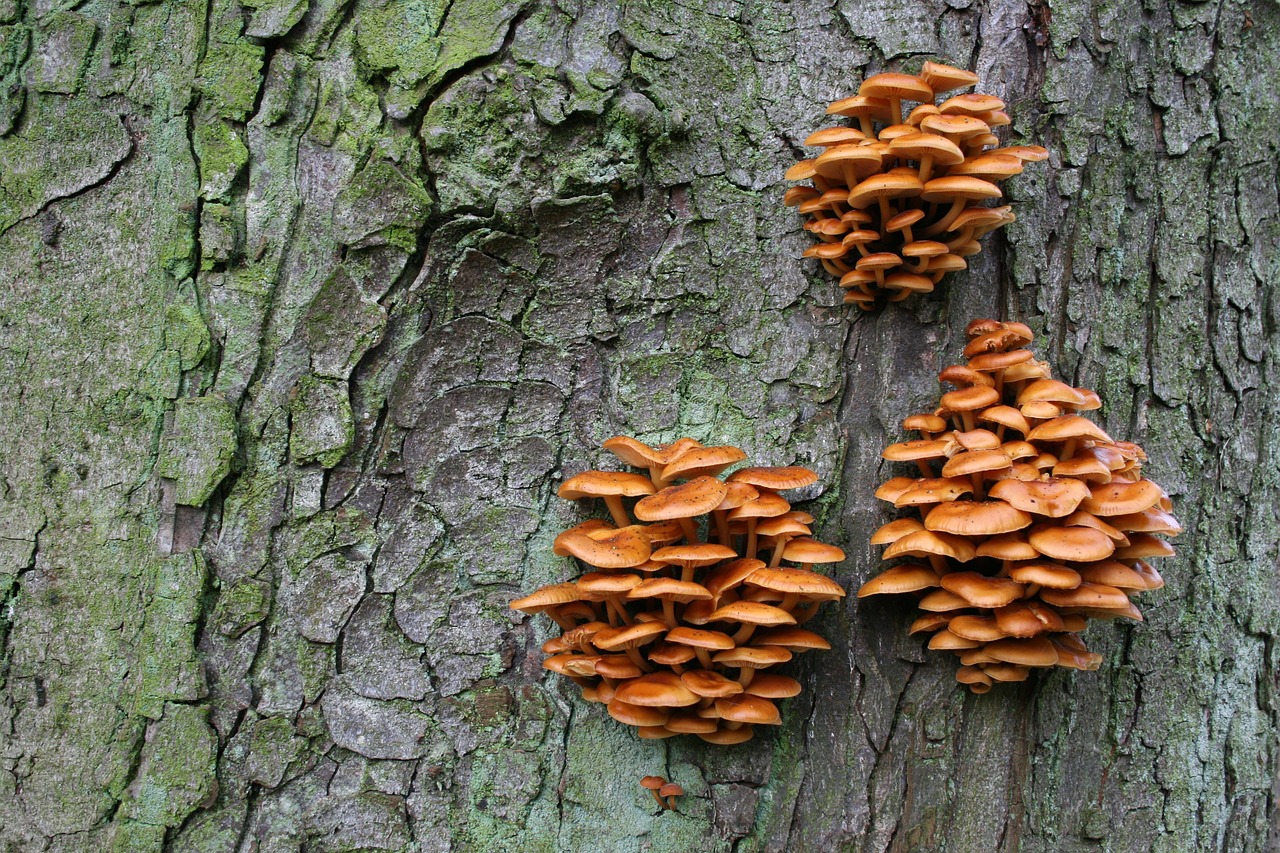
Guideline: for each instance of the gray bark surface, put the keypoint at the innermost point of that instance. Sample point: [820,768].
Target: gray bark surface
[306,307]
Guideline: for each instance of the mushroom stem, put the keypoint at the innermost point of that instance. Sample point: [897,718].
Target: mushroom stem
[615,608]
[745,675]
[722,526]
[744,634]
[886,212]
[967,418]
[704,657]
[925,470]
[926,167]
[617,510]
[939,564]
[1069,449]
[690,531]
[941,225]
[978,491]
[751,538]
[775,559]
[638,659]
[789,601]
[895,109]
[669,613]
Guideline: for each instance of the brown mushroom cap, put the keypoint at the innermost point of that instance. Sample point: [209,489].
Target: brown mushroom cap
[753,613]
[810,585]
[696,497]
[982,591]
[702,461]
[699,638]
[944,78]
[706,683]
[752,657]
[746,708]
[1071,544]
[1028,619]
[1033,651]
[924,543]
[1046,574]
[806,550]
[656,690]
[638,715]
[973,518]
[617,549]
[591,484]
[1054,498]
[908,577]
[641,455]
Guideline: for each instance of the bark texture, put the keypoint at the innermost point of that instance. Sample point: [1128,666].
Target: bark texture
[307,305]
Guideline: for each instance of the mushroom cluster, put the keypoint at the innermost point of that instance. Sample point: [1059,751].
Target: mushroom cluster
[688,593]
[897,202]
[1031,518]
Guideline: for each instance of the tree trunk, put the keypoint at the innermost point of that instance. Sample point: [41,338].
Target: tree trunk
[307,307]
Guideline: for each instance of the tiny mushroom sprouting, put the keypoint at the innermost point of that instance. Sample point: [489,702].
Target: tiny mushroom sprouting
[1026,518]
[896,209]
[675,614]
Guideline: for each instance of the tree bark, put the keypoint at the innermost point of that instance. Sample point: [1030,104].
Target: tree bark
[306,306]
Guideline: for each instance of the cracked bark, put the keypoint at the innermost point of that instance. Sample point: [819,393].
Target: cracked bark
[307,306]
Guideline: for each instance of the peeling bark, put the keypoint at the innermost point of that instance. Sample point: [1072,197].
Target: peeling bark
[307,305]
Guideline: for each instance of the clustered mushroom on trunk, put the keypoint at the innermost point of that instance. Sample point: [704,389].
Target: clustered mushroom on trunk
[897,201]
[1031,519]
[690,592]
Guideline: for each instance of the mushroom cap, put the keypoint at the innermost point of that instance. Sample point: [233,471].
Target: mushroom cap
[924,543]
[730,575]
[1032,651]
[653,783]
[1090,595]
[1055,498]
[1071,544]
[697,555]
[1067,427]
[671,654]
[983,629]
[943,601]
[617,666]
[671,789]
[1143,545]
[944,78]
[547,596]
[745,708]
[689,723]
[933,490]
[975,462]
[617,549]
[1005,672]
[630,637]
[728,737]
[917,146]
[637,715]
[951,188]
[753,613]
[971,104]
[861,160]
[918,448]
[772,686]
[775,478]
[702,461]
[641,455]
[885,185]
[1072,653]
[737,495]
[706,683]
[1045,574]
[1153,520]
[594,586]
[962,377]
[782,525]
[1122,498]
[1114,573]
[810,585]
[768,505]
[955,126]
[891,85]
[859,106]
[993,361]
[696,497]
[1008,546]
[923,249]
[839,135]
[944,640]
[907,577]
[668,588]
[585,528]
[752,657]
[982,591]
[924,422]
[968,399]
[892,488]
[699,638]
[591,484]
[1028,619]
[792,638]
[895,530]
[996,167]
[1051,390]
[978,439]
[656,690]
[806,550]
[974,518]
